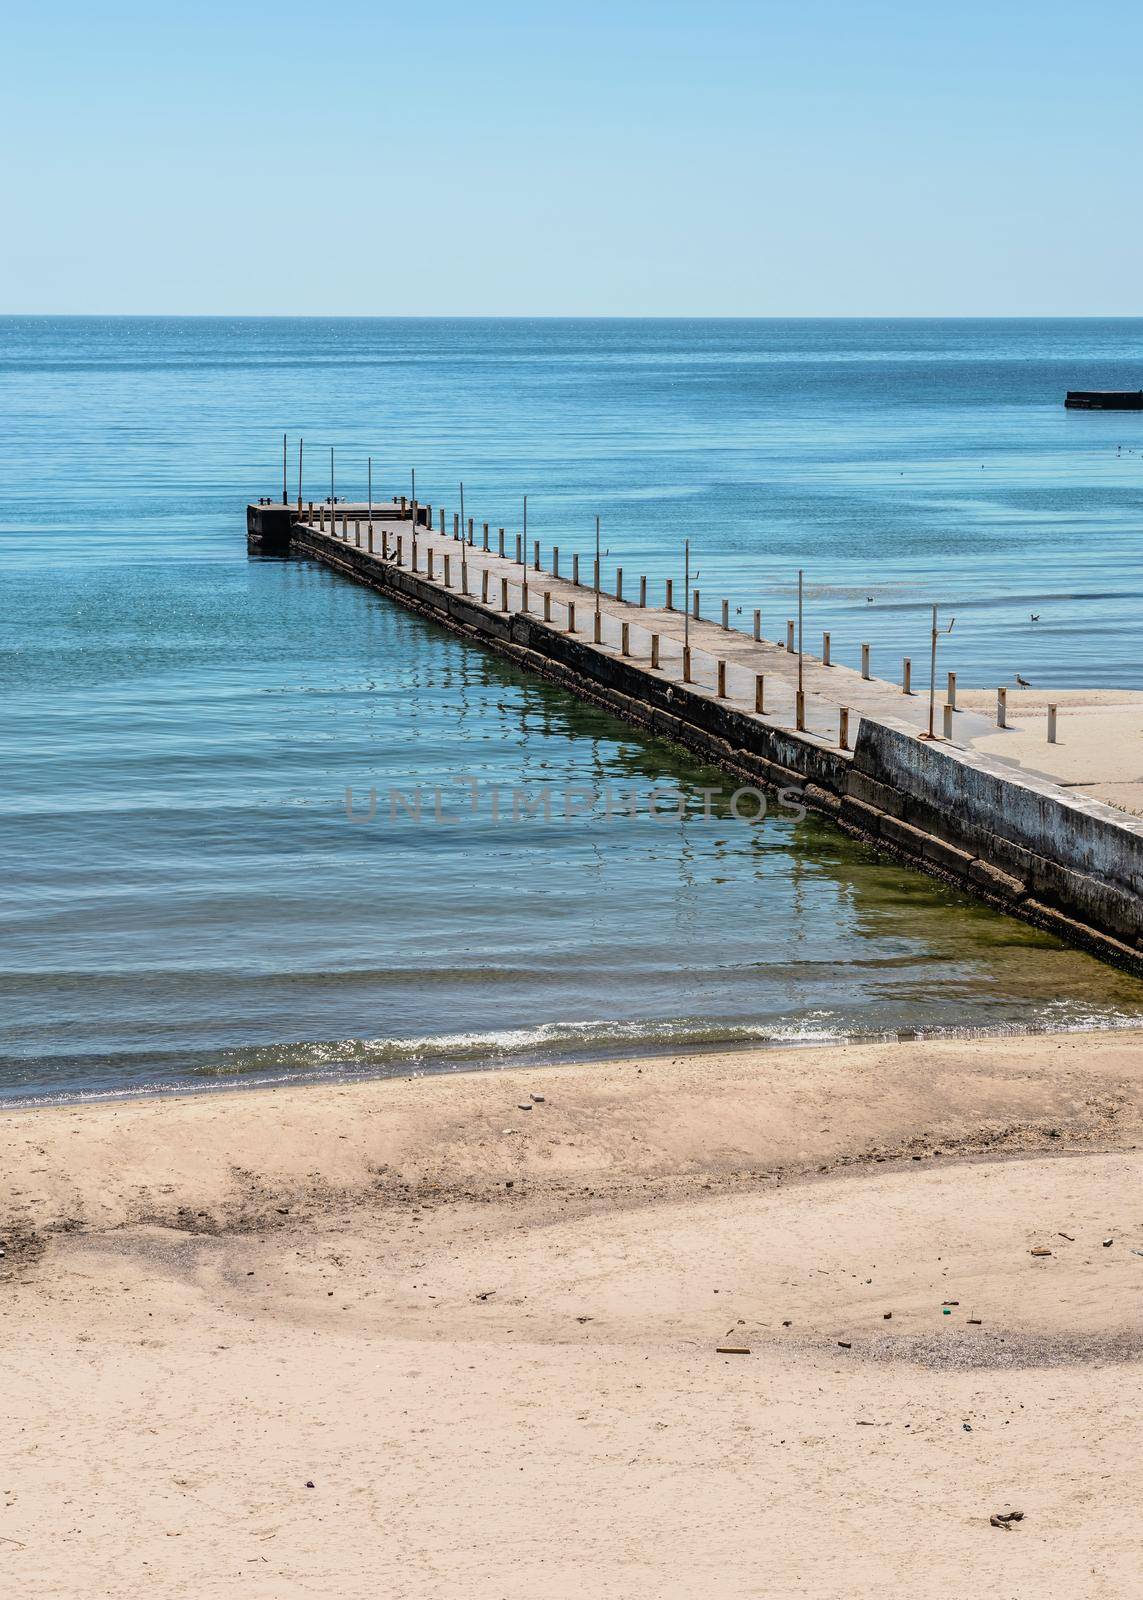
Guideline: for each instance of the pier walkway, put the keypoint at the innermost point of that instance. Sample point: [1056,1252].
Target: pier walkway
[631,623]
[987,806]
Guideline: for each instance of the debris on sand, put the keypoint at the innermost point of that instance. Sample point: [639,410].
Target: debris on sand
[1005,1519]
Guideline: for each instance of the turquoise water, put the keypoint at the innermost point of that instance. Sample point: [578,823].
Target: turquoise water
[184,900]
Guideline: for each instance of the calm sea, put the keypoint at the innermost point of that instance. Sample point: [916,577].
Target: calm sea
[183,900]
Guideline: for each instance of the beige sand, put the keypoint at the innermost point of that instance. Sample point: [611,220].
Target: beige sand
[1099,739]
[516,1391]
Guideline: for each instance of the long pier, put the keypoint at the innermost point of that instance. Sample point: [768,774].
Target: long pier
[855,745]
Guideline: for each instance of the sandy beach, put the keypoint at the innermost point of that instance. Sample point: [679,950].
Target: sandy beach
[409,1338]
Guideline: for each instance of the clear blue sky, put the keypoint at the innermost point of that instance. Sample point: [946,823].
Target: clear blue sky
[782,157]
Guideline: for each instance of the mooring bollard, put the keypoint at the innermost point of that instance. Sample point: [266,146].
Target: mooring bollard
[504,594]
[555,561]
[695,609]
[404,505]
[906,676]
[321,519]
[484,587]
[575,569]
[571,616]
[456,524]
[370,538]
[669,604]
[501,543]
[758,624]
[463,575]
[843,727]
[442,522]
[429,557]
[790,646]
[357,532]
[686,663]
[654,652]
[1002,708]
[800,710]
[721,680]
[1051,724]
[309,511]
[951,693]
[414,559]
[400,551]
[948,716]
[536,555]
[519,550]
[384,544]
[595,573]
[625,639]
[865,661]
[759,693]
[619,583]
[642,591]
[484,536]
[825,651]
[547,605]
[726,615]
[597,631]
[447,573]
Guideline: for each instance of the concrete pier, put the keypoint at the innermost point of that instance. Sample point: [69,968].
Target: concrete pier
[851,744]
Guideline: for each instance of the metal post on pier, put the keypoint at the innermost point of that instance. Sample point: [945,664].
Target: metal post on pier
[461,512]
[686,603]
[285,488]
[800,703]
[370,461]
[301,447]
[332,487]
[598,625]
[934,635]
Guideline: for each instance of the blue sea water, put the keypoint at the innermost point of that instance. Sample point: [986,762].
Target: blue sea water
[184,902]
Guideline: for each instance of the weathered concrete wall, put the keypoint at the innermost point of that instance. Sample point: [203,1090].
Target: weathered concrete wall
[1041,841]
[1064,862]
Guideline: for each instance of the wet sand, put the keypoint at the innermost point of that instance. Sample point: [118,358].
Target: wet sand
[488,1337]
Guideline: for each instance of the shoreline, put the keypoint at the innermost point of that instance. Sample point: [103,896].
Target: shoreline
[477,1334]
[443,1067]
